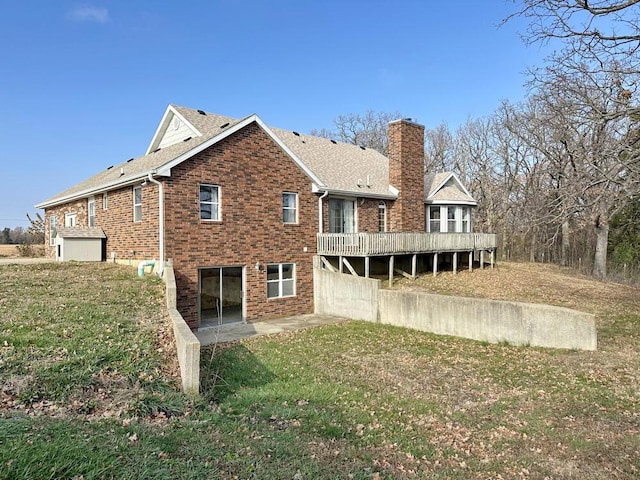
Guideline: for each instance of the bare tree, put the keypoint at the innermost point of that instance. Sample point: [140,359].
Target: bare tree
[596,37]
[368,130]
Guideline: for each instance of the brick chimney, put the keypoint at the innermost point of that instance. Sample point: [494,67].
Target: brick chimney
[406,173]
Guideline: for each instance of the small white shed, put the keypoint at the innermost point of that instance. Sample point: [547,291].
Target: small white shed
[82,244]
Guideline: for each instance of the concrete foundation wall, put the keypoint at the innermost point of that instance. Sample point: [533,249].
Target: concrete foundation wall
[187,345]
[475,318]
[489,320]
[345,295]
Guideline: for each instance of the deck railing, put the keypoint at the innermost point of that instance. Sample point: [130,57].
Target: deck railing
[396,243]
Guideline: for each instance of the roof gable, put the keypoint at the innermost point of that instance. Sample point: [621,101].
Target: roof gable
[446,188]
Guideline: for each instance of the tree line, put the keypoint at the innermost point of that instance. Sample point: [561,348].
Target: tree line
[32,235]
[557,175]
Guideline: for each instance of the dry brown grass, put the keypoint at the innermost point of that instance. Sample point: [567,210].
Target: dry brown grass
[9,251]
[534,283]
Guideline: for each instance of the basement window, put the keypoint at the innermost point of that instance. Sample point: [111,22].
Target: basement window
[281,280]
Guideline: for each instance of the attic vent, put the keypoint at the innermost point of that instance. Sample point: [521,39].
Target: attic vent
[362,148]
[296,134]
[109,167]
[202,112]
[224,125]
[186,139]
[334,142]
[303,141]
[130,160]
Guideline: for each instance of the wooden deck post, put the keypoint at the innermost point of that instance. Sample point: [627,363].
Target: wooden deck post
[471,261]
[366,266]
[391,270]
[435,264]
[340,266]
[493,258]
[455,262]
[481,259]
[414,266]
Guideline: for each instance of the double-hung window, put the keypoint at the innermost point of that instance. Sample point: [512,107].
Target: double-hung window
[434,219]
[91,207]
[105,201]
[451,219]
[137,204]
[281,280]
[290,207]
[209,202]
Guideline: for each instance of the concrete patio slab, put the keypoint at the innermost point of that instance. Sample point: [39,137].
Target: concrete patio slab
[238,331]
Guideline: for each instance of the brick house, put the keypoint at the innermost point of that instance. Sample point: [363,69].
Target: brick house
[241,209]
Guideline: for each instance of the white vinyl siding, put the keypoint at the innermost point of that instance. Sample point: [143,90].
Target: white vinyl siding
[289,207]
[176,132]
[137,204]
[210,202]
[281,280]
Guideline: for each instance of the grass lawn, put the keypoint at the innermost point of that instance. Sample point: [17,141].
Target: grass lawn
[89,389]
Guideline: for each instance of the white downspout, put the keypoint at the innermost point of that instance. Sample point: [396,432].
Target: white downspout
[160,221]
[320,213]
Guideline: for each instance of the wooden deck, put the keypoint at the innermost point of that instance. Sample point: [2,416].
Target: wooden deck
[395,243]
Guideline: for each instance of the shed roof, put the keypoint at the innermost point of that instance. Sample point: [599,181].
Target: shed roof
[80,232]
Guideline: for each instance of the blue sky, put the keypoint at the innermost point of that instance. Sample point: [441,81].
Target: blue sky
[84,84]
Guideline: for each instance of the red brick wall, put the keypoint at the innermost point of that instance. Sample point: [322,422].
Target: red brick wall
[252,172]
[406,173]
[128,239]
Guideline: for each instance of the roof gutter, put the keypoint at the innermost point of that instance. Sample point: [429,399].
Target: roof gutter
[92,191]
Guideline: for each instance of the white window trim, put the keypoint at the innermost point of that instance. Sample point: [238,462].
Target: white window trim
[355,212]
[219,204]
[295,208]
[105,201]
[53,226]
[382,205]
[135,219]
[70,219]
[444,218]
[280,280]
[91,205]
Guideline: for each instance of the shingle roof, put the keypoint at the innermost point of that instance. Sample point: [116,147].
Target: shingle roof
[339,166]
[80,232]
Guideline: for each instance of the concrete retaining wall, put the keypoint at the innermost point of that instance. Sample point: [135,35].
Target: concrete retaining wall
[187,344]
[345,295]
[489,320]
[492,321]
